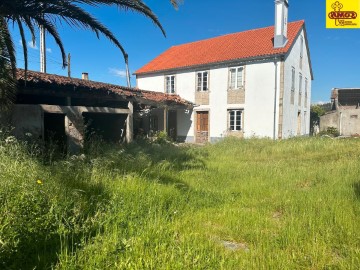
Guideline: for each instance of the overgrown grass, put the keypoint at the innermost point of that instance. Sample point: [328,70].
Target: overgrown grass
[238,204]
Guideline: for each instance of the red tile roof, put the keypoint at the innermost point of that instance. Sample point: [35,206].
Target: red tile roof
[142,96]
[242,45]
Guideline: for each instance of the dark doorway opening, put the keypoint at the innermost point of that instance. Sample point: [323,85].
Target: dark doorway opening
[172,125]
[54,132]
[107,127]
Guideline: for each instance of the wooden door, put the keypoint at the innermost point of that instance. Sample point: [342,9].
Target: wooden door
[202,127]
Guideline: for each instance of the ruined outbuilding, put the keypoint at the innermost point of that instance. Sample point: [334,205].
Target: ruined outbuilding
[345,112]
[70,111]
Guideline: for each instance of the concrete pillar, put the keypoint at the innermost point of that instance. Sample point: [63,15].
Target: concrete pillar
[130,124]
[75,130]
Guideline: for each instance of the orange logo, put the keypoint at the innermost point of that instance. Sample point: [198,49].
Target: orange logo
[342,18]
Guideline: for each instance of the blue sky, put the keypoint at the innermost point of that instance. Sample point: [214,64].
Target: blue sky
[335,53]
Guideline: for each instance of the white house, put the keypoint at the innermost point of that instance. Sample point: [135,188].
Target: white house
[252,83]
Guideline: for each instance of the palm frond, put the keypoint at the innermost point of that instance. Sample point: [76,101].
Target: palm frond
[23,41]
[7,45]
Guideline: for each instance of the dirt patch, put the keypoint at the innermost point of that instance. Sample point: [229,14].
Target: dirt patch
[234,246]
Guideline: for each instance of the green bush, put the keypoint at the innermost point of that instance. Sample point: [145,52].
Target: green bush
[330,131]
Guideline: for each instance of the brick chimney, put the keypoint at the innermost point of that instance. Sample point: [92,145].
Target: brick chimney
[281,21]
[85,76]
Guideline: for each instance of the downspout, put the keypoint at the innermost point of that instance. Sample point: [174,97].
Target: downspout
[275,97]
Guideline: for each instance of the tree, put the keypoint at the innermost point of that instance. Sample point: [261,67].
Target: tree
[315,112]
[32,14]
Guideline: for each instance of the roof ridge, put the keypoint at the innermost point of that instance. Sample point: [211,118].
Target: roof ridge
[77,79]
[234,33]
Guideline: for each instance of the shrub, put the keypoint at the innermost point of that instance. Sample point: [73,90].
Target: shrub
[330,131]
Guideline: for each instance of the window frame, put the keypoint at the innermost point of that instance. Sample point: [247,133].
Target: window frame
[200,88]
[236,79]
[292,79]
[154,123]
[292,90]
[300,88]
[237,125]
[170,84]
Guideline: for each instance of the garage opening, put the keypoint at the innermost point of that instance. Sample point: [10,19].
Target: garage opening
[54,132]
[107,127]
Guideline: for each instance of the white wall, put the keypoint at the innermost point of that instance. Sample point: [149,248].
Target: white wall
[290,111]
[259,96]
[218,101]
[259,99]
[151,82]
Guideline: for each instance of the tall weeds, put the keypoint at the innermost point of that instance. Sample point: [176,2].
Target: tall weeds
[238,204]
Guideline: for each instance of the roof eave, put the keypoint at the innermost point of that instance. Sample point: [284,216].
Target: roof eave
[220,63]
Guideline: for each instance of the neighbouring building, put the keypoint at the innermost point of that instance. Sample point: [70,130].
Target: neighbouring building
[252,83]
[345,112]
[71,111]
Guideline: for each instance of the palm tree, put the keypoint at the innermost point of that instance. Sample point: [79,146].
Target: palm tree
[32,14]
[7,69]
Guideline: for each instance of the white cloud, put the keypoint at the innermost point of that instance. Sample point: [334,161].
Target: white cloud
[32,45]
[320,102]
[49,50]
[118,72]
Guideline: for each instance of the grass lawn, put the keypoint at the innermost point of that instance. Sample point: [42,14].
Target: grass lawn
[237,204]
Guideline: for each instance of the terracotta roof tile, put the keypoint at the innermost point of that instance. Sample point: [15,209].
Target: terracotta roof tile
[66,82]
[242,45]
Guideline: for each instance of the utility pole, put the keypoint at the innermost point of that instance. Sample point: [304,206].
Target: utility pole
[69,65]
[42,50]
[127,71]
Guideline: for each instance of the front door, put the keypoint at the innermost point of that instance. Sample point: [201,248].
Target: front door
[202,127]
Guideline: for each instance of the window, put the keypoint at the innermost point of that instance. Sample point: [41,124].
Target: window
[202,81]
[293,79]
[170,84]
[292,85]
[236,77]
[154,123]
[235,120]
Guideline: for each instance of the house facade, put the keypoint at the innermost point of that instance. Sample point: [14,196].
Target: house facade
[252,83]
